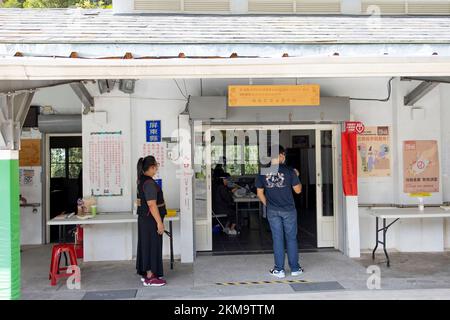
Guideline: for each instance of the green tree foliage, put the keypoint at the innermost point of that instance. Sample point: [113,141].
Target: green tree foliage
[88,4]
[12,4]
[48,3]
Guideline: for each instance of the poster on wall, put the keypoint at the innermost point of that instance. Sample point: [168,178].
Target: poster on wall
[153,130]
[30,153]
[106,163]
[374,152]
[26,177]
[420,166]
[158,151]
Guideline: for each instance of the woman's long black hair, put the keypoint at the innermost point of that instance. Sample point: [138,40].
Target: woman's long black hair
[144,164]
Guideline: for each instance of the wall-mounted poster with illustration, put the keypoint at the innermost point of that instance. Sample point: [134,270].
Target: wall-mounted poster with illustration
[420,166]
[374,152]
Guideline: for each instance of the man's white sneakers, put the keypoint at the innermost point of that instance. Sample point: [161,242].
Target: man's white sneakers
[277,273]
[297,273]
[282,274]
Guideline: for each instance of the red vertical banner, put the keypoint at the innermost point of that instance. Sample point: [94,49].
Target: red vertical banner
[349,164]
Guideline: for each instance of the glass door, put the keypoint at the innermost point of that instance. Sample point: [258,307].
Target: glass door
[202,195]
[325,146]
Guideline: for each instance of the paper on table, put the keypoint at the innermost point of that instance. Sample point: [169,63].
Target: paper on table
[84,217]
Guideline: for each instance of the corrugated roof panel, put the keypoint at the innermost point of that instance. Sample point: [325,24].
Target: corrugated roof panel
[84,26]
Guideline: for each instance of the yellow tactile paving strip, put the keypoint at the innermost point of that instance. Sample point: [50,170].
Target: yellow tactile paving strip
[240,283]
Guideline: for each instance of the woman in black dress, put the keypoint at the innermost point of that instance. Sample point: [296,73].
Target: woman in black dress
[151,212]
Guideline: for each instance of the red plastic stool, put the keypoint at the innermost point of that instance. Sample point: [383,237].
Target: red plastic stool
[79,242]
[55,269]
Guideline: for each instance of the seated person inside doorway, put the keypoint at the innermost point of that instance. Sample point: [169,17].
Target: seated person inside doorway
[223,202]
[219,170]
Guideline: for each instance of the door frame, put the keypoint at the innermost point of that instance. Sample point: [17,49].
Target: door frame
[335,128]
[319,191]
[46,177]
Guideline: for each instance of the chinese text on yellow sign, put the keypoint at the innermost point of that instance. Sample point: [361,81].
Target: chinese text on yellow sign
[273,95]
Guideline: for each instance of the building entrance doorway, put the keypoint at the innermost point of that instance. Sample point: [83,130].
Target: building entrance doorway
[239,154]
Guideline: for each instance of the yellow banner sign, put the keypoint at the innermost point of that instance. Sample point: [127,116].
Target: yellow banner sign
[273,95]
[420,194]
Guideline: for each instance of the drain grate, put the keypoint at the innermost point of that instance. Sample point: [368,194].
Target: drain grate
[317,286]
[110,295]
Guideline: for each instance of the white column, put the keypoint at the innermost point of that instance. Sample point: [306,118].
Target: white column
[351,6]
[239,6]
[123,6]
[352,227]
[185,175]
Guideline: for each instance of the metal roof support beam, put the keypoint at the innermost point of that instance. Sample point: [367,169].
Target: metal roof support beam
[3,122]
[10,132]
[2,141]
[430,79]
[419,92]
[13,111]
[23,85]
[22,104]
[83,94]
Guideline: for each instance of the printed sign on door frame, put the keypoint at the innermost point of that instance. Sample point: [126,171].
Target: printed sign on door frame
[354,126]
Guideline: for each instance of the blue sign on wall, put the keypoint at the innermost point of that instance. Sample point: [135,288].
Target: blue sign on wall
[153,128]
[159,182]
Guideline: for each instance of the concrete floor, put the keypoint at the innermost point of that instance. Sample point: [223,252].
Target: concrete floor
[411,276]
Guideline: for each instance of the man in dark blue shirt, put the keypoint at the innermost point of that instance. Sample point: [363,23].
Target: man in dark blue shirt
[274,187]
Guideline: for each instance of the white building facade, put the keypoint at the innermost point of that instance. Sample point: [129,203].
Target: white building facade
[365,67]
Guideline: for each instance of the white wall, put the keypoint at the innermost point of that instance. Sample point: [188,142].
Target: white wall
[118,114]
[426,128]
[62,99]
[159,100]
[31,222]
[152,100]
[445,152]
[416,234]
[162,100]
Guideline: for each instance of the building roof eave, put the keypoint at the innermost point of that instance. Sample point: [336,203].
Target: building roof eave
[32,68]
